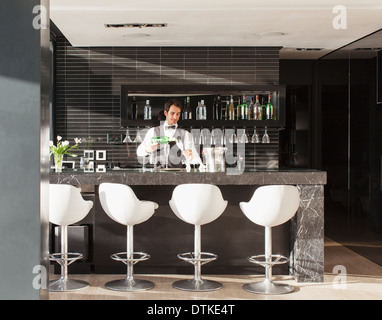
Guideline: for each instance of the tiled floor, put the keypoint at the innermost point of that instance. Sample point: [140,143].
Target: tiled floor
[348,276]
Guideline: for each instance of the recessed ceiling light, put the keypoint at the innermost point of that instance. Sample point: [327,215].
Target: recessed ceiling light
[271,34]
[136,25]
[136,35]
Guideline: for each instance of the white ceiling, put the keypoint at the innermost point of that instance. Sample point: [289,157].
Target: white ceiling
[303,23]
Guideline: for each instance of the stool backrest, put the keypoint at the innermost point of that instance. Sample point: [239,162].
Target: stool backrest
[272,205]
[66,205]
[197,204]
[122,205]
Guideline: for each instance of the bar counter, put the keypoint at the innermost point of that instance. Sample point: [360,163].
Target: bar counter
[233,237]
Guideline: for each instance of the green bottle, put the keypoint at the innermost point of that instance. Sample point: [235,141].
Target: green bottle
[270,115]
[244,109]
[263,109]
[162,140]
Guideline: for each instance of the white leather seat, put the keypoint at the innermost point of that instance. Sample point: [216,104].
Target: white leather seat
[197,204]
[66,207]
[270,206]
[121,205]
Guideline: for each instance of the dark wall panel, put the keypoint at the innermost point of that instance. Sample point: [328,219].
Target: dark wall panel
[88,82]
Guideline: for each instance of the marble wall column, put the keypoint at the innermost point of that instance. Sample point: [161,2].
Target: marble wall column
[307,236]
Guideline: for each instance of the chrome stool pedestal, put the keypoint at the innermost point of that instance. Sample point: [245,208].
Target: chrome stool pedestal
[64,259]
[197,258]
[130,258]
[268,260]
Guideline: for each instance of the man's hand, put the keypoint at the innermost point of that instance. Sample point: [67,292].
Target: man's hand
[152,147]
[188,154]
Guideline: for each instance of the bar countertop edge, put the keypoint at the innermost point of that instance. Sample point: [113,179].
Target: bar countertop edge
[138,177]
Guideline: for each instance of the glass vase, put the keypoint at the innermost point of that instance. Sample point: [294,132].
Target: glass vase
[58,162]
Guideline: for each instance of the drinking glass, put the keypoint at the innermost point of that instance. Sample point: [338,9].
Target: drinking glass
[144,161]
[166,149]
[255,138]
[265,138]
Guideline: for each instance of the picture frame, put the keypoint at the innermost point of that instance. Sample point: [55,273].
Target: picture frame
[89,154]
[101,155]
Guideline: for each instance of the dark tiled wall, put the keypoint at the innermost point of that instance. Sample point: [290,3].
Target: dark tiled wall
[88,84]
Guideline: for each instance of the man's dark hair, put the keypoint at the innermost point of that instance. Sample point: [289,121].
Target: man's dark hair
[172,102]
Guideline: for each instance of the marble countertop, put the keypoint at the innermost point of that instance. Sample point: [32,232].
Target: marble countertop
[149,177]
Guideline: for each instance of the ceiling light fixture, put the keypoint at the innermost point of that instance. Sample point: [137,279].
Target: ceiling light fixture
[136,25]
[307,49]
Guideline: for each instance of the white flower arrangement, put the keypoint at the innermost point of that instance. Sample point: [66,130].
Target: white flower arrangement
[62,147]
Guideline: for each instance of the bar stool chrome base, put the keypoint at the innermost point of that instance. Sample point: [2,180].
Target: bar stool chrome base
[62,285]
[129,285]
[268,261]
[197,285]
[65,284]
[268,287]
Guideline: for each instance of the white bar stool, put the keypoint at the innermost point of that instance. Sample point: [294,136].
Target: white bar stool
[121,204]
[66,206]
[197,204]
[270,206]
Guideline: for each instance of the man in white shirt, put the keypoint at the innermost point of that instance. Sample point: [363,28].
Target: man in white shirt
[169,128]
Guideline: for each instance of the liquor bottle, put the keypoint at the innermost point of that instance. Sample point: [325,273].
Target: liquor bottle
[186,114]
[204,110]
[226,113]
[133,110]
[244,109]
[218,109]
[251,110]
[238,110]
[263,109]
[231,110]
[257,113]
[162,140]
[198,112]
[269,109]
[147,111]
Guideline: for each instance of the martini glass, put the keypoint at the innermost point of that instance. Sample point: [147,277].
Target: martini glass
[265,138]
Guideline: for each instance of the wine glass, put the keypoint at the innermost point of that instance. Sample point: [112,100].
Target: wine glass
[255,138]
[244,137]
[127,138]
[138,136]
[233,138]
[166,149]
[181,146]
[265,138]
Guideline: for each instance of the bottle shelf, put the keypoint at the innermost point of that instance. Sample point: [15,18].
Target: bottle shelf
[211,123]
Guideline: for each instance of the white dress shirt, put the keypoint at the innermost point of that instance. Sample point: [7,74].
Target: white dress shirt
[169,132]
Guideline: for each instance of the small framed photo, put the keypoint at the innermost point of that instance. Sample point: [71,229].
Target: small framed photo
[89,167]
[101,168]
[101,155]
[89,154]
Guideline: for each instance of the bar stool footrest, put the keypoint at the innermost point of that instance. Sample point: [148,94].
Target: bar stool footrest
[70,257]
[261,260]
[135,258]
[204,258]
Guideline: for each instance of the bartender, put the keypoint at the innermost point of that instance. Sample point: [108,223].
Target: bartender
[169,128]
